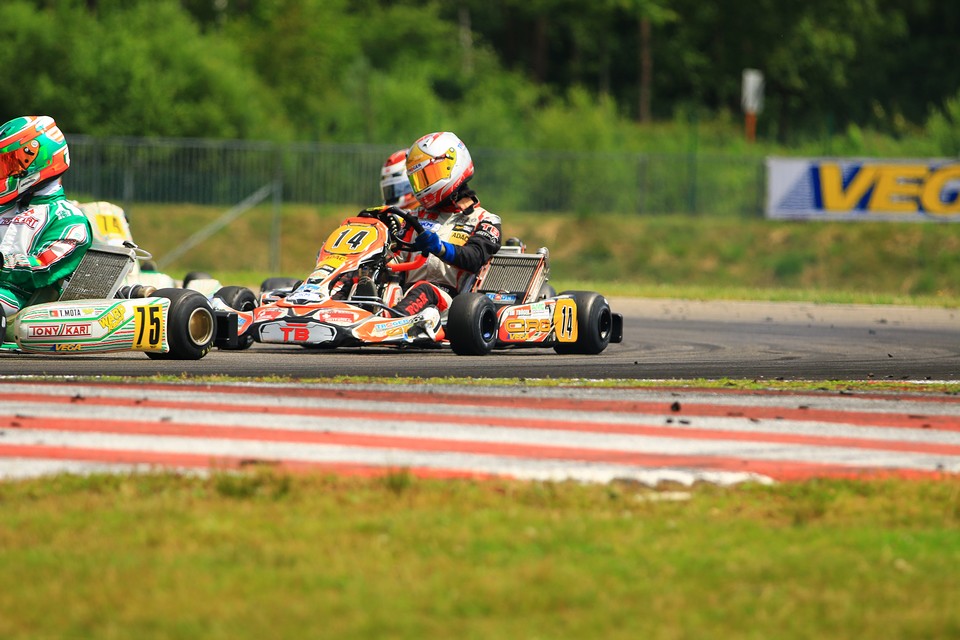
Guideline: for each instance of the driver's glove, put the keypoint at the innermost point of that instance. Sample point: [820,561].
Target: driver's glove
[431,243]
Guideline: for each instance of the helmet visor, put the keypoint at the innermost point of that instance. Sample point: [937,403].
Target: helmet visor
[9,165]
[435,170]
[395,189]
[15,162]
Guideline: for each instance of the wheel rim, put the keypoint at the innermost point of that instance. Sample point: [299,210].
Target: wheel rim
[200,326]
[488,325]
[605,323]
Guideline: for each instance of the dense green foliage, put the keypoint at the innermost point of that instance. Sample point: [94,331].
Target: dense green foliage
[543,74]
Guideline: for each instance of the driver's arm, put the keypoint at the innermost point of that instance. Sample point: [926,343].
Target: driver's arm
[478,249]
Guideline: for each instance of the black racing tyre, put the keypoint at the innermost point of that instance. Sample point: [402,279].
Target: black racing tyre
[594,324]
[191,327]
[195,275]
[241,299]
[271,284]
[546,291]
[472,324]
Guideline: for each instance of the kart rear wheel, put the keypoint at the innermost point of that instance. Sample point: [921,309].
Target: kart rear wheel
[472,324]
[594,324]
[241,299]
[191,327]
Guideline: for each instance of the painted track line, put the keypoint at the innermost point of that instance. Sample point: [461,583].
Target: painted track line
[640,434]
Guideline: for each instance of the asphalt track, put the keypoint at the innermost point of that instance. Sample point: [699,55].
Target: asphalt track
[663,339]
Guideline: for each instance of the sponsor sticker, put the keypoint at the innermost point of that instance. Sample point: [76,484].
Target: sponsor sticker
[384,327]
[863,189]
[265,314]
[65,313]
[112,319]
[59,330]
[297,333]
[337,316]
[488,230]
[525,329]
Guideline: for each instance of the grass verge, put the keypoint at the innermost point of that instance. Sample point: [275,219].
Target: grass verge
[267,555]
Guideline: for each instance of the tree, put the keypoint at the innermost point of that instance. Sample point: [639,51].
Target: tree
[103,76]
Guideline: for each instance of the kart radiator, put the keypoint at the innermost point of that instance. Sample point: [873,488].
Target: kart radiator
[100,274]
[512,273]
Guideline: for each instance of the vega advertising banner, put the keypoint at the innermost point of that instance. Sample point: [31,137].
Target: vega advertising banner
[863,189]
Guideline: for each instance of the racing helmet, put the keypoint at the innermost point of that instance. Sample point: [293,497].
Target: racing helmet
[438,164]
[394,185]
[33,151]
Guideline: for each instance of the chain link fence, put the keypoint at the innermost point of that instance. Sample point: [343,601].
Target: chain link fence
[218,172]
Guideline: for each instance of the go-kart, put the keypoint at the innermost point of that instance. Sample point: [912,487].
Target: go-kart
[96,312]
[347,300]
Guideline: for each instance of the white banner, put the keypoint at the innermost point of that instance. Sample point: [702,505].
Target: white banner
[863,189]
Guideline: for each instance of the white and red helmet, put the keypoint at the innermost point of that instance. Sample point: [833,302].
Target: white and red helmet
[394,185]
[437,165]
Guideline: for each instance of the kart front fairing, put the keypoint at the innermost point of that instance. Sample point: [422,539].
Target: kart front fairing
[326,310]
[332,323]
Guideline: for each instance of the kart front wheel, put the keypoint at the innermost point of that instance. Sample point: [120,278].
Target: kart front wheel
[594,324]
[472,324]
[241,299]
[277,282]
[546,291]
[191,327]
[195,275]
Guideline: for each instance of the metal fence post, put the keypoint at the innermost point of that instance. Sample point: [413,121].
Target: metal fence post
[692,159]
[275,233]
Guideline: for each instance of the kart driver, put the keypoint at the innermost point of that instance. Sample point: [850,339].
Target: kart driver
[42,235]
[396,192]
[459,235]
[394,184]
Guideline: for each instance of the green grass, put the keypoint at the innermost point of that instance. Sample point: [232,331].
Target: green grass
[705,257]
[263,555]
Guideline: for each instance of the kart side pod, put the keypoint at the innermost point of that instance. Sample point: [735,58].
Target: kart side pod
[574,322]
[171,324]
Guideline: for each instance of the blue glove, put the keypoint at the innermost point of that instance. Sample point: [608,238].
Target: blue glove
[431,243]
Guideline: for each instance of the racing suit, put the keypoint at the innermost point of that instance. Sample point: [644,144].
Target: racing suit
[475,234]
[42,240]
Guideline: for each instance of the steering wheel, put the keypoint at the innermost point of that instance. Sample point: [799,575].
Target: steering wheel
[384,215]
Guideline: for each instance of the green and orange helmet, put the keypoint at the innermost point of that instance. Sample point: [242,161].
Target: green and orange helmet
[33,151]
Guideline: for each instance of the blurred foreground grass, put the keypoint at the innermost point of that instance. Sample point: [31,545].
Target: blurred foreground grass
[262,554]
